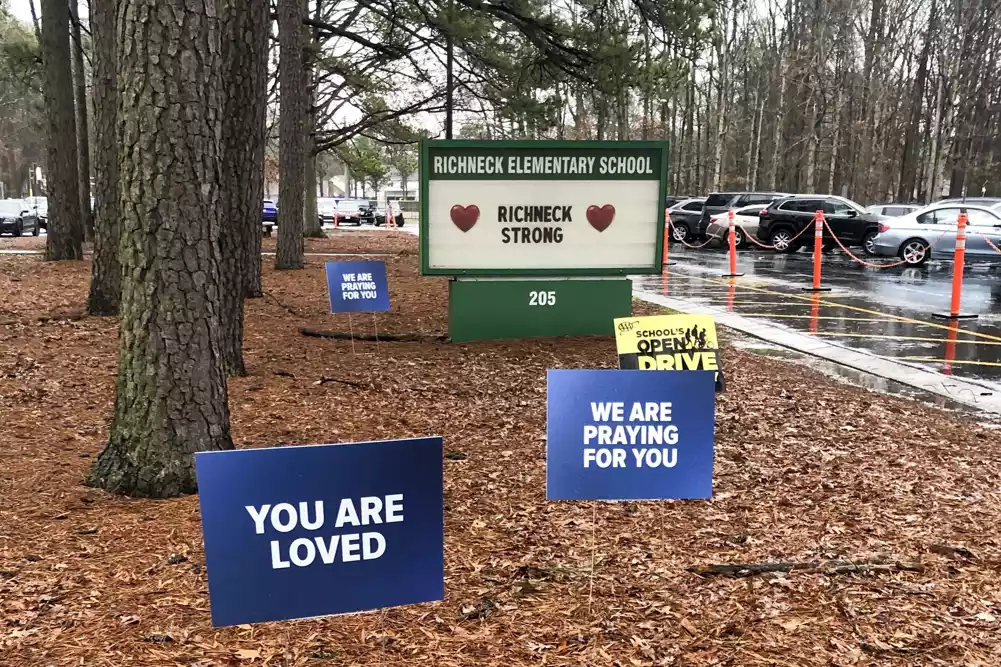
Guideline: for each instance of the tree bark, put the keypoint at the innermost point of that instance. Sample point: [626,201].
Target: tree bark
[244,58]
[82,131]
[64,238]
[105,281]
[292,136]
[171,396]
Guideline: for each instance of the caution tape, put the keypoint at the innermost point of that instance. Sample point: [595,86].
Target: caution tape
[750,237]
[994,247]
[872,264]
[689,245]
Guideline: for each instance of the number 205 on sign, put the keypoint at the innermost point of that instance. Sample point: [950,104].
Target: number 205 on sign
[542,298]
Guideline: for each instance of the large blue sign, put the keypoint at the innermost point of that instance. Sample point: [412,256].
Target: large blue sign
[629,435]
[357,287]
[297,532]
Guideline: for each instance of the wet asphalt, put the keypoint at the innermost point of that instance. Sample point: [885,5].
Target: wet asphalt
[889,312]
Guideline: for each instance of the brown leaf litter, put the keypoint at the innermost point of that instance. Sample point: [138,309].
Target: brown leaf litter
[91,579]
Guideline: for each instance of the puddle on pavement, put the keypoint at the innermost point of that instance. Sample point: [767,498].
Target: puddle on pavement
[861,379]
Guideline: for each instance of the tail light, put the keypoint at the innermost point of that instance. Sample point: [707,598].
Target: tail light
[764,211]
[883,228]
[714,218]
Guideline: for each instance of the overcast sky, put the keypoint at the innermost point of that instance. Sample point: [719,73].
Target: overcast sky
[21,9]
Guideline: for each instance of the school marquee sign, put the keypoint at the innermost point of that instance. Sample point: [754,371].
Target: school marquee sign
[542,208]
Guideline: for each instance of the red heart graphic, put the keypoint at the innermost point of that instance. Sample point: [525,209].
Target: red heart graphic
[465,217]
[601,217]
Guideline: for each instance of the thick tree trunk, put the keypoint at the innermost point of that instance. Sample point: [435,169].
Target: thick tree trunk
[82,131]
[244,56]
[292,136]
[105,282]
[65,231]
[171,399]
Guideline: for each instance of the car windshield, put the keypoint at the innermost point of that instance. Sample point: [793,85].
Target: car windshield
[326,205]
[719,199]
[348,205]
[13,207]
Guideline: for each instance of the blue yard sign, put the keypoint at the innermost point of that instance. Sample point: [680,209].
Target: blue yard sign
[357,287]
[298,532]
[629,435]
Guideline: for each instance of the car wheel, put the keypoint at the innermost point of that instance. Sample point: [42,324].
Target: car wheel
[35,230]
[18,229]
[739,239]
[680,232]
[914,252]
[782,240]
[869,243]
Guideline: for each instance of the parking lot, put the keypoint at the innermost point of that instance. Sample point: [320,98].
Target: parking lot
[888,312]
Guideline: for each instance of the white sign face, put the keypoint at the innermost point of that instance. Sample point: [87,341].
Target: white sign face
[542,208]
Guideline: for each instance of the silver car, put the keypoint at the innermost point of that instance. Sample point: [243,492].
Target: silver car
[931,233]
[893,210]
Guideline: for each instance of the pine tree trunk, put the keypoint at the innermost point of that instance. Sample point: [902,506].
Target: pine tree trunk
[171,399]
[292,136]
[310,213]
[82,131]
[105,281]
[64,238]
[311,221]
[244,56]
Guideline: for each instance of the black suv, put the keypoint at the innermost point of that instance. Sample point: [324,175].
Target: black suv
[782,223]
[721,202]
[685,218]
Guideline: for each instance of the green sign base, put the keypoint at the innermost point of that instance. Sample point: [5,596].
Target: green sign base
[498,309]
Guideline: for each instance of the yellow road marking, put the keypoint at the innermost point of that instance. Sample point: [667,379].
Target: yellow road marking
[918,338]
[818,317]
[867,311]
[946,361]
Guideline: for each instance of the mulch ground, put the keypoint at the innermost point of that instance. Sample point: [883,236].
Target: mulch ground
[807,469]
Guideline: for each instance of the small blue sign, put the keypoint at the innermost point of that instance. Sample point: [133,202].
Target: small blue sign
[629,435]
[357,287]
[298,532]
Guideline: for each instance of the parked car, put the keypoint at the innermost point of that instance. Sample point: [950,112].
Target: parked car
[269,211]
[931,233]
[745,223]
[685,218]
[351,211]
[325,208]
[721,202]
[17,217]
[782,223]
[379,216]
[40,205]
[990,202]
[893,210]
[671,200]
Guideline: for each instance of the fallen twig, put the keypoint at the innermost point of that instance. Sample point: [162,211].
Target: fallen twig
[324,380]
[738,570]
[946,550]
[62,317]
[287,309]
[383,337]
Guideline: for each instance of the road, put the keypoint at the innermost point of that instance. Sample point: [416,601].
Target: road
[889,312]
